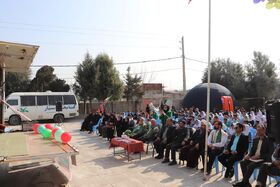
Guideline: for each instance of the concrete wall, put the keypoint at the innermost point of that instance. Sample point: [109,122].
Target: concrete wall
[120,106]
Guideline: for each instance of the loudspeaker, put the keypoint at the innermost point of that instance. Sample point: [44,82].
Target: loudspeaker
[273,119]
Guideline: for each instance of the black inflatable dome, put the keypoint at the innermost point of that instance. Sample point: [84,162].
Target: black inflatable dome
[197,97]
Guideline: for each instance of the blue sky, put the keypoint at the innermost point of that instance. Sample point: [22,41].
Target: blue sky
[136,30]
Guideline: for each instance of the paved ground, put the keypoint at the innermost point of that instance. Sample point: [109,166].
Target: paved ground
[97,167]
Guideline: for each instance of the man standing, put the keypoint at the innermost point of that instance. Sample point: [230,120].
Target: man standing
[235,150]
[271,169]
[259,154]
[178,137]
[216,143]
[164,138]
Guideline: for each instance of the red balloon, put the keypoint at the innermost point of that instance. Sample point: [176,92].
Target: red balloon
[54,130]
[66,137]
[35,128]
[49,126]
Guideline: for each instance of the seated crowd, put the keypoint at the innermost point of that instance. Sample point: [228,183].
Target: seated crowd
[238,136]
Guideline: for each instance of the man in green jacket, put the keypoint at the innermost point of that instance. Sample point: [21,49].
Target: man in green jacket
[152,132]
[139,130]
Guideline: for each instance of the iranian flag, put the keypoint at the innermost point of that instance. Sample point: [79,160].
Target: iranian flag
[107,99]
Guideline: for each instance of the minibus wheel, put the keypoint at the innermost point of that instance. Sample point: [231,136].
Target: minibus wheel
[58,118]
[14,120]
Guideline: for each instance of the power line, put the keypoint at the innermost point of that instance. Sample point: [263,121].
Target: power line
[146,61]
[157,71]
[200,61]
[163,70]
[127,63]
[123,63]
[198,70]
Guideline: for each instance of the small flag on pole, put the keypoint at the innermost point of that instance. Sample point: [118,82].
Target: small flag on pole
[107,99]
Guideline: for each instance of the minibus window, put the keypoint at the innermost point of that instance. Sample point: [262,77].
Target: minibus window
[54,99]
[27,100]
[12,102]
[42,100]
[69,99]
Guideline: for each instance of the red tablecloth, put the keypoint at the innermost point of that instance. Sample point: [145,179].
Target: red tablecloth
[131,145]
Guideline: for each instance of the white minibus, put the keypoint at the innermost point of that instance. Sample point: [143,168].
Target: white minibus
[41,106]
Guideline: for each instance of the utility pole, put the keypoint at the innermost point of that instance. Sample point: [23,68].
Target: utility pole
[183,61]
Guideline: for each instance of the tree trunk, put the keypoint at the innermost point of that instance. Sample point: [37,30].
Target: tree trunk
[85,108]
[90,105]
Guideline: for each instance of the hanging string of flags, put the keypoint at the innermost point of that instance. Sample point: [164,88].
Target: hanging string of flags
[270,3]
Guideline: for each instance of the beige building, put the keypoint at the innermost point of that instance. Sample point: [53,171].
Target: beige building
[155,93]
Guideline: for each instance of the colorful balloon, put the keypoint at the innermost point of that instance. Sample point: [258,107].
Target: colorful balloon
[57,135]
[46,133]
[35,128]
[65,137]
[41,128]
[49,126]
[54,130]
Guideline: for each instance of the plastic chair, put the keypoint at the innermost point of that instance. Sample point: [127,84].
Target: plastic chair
[216,165]
[276,178]
[252,135]
[255,173]
[147,148]
[95,127]
[235,167]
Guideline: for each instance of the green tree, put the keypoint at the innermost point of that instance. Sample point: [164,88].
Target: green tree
[16,82]
[108,80]
[85,79]
[59,85]
[43,78]
[229,74]
[262,80]
[132,86]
